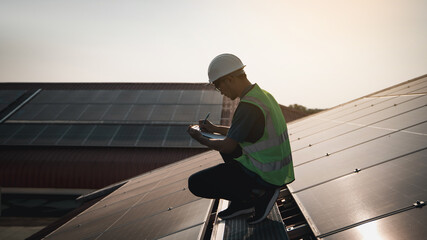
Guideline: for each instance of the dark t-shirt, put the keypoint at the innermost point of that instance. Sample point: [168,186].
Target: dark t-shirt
[247,124]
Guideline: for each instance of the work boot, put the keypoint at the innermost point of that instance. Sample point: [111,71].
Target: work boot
[236,209]
[263,205]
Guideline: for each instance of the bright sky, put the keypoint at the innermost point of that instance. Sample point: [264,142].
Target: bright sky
[315,53]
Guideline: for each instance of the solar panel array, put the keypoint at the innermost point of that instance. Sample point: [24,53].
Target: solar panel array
[361,166]
[143,118]
[156,205]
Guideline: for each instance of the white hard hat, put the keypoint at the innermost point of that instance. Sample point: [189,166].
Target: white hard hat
[222,65]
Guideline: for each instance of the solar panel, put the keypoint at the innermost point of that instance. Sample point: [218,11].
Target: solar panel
[94,112]
[187,113]
[379,108]
[71,112]
[117,112]
[140,113]
[106,96]
[102,135]
[191,233]
[177,137]
[388,120]
[29,112]
[153,136]
[211,97]
[169,97]
[51,96]
[127,135]
[128,96]
[149,97]
[360,164]
[162,113]
[370,193]
[9,96]
[49,112]
[25,135]
[357,157]
[180,217]
[158,108]
[7,131]
[76,135]
[405,225]
[190,97]
[152,206]
[411,87]
[50,135]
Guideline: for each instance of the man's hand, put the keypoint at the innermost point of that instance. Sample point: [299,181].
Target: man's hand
[206,126]
[194,133]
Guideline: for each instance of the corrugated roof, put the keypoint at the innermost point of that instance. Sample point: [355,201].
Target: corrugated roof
[360,167]
[80,168]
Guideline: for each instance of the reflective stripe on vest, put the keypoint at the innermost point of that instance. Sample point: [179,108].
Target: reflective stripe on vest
[269,167]
[269,143]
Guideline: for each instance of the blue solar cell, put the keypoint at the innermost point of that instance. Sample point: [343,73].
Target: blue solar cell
[191,97]
[149,97]
[127,135]
[211,97]
[94,112]
[102,135]
[117,112]
[163,113]
[72,112]
[177,136]
[29,112]
[8,131]
[50,135]
[128,96]
[76,135]
[169,97]
[26,134]
[153,136]
[140,113]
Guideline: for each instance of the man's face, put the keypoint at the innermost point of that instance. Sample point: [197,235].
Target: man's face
[222,85]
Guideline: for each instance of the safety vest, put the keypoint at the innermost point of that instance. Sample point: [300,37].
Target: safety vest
[270,157]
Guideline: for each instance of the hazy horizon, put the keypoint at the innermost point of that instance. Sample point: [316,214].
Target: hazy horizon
[316,54]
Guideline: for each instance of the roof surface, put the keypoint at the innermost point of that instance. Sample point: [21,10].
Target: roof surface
[361,166]
[155,205]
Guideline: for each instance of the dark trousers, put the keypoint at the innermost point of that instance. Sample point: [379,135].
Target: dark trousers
[228,180]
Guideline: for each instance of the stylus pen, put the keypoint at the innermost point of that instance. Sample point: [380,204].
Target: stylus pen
[206,118]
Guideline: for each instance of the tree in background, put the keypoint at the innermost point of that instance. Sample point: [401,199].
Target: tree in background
[303,109]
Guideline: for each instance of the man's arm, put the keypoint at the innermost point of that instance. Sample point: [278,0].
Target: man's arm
[226,145]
